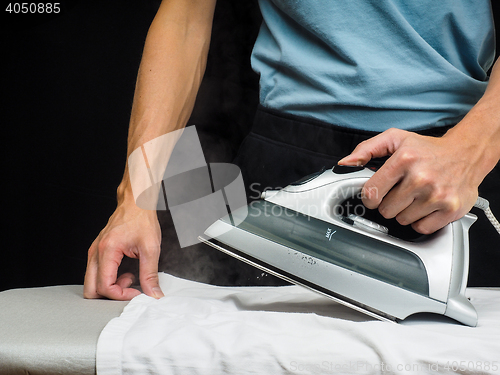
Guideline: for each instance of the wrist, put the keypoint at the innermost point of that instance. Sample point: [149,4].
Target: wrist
[146,200]
[478,138]
[124,194]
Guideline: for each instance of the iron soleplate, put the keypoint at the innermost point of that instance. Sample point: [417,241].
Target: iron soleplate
[299,281]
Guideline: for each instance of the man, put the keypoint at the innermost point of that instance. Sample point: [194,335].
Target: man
[332,74]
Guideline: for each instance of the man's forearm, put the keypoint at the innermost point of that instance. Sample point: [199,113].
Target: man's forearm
[479,131]
[170,73]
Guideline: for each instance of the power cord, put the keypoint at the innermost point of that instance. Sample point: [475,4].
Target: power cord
[484,205]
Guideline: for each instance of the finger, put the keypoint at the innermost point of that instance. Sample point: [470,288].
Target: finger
[107,286]
[148,272]
[125,280]
[418,210]
[432,222]
[395,202]
[379,185]
[379,146]
[436,211]
[90,282]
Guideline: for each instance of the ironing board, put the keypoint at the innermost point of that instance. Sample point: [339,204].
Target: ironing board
[51,330]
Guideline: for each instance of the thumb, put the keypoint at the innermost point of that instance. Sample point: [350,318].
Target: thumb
[148,273]
[381,145]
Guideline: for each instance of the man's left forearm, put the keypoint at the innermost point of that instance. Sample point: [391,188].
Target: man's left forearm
[480,128]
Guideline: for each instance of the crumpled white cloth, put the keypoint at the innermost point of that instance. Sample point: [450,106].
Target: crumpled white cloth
[203,329]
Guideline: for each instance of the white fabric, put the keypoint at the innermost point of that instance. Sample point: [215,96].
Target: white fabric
[203,329]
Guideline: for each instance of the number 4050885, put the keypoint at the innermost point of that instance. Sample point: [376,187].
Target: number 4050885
[33,8]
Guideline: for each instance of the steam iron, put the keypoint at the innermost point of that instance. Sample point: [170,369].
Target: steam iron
[307,235]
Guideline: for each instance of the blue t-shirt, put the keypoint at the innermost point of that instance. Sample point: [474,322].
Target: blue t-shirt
[374,64]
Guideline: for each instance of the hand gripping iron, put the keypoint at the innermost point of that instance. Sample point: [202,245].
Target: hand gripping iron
[313,233]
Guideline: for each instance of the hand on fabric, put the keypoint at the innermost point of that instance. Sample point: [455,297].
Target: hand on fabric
[171,70]
[427,182]
[131,232]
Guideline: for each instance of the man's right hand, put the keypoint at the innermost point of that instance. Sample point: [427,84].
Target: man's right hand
[131,232]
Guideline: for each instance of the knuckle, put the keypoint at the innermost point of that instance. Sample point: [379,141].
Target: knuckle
[149,277]
[370,204]
[101,290]
[402,220]
[407,156]
[423,179]
[107,242]
[108,291]
[394,131]
[447,201]
[422,228]
[452,202]
[92,250]
[440,196]
[385,211]
[103,244]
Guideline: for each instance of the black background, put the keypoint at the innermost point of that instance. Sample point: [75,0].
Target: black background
[68,83]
